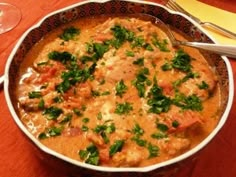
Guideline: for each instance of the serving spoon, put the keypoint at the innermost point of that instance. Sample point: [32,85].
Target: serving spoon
[226,50]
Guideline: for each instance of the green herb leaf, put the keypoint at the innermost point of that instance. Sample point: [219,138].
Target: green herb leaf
[139,141]
[159,135]
[140,80]
[153,150]
[139,62]
[138,42]
[162,45]
[162,127]
[116,147]
[41,104]
[191,102]
[85,120]
[34,94]
[90,155]
[129,53]
[69,33]
[137,130]
[50,132]
[203,85]
[58,99]
[121,35]
[121,88]
[166,67]
[175,124]
[52,112]
[123,108]
[78,112]
[62,57]
[182,61]
[66,119]
[99,116]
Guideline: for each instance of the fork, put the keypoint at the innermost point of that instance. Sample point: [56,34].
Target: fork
[171,4]
[226,50]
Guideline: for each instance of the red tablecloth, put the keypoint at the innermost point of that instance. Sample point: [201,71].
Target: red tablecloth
[17,155]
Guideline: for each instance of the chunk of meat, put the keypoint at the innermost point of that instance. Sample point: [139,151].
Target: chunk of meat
[104,156]
[167,87]
[129,157]
[175,146]
[96,139]
[72,131]
[205,75]
[185,120]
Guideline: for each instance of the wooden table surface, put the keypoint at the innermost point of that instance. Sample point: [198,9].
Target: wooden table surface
[18,157]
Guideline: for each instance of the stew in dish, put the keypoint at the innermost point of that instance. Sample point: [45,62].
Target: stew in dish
[113,91]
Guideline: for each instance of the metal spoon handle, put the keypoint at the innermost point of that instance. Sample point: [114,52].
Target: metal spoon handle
[220,29]
[227,50]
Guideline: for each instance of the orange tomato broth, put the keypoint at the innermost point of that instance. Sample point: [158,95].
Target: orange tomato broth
[116,96]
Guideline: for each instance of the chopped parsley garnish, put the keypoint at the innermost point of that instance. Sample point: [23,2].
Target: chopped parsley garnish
[84,128]
[90,155]
[141,79]
[41,104]
[121,35]
[191,102]
[89,48]
[34,94]
[162,131]
[162,45]
[189,75]
[116,147]
[162,127]
[121,88]
[78,112]
[52,112]
[66,119]
[99,116]
[72,77]
[63,57]
[50,132]
[153,150]
[139,141]
[148,47]
[104,130]
[96,93]
[105,93]
[58,99]
[203,85]
[129,53]
[85,120]
[138,42]
[123,108]
[69,33]
[157,101]
[159,135]
[175,124]
[182,61]
[137,130]
[99,49]
[139,62]
[140,86]
[166,67]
